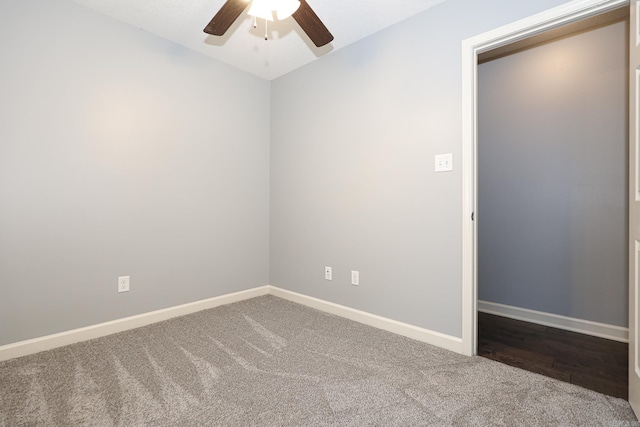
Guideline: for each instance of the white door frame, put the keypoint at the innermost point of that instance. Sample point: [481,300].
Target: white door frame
[567,13]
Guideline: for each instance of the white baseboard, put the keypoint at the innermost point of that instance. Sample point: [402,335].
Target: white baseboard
[602,330]
[49,342]
[420,334]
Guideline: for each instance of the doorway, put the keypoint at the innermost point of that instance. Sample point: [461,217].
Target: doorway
[552,202]
[471,48]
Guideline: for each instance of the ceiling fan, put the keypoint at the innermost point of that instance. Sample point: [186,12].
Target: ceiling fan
[299,10]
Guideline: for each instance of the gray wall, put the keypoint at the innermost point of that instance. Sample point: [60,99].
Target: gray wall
[122,154]
[552,184]
[352,156]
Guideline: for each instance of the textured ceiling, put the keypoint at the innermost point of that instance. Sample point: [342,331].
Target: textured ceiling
[244,47]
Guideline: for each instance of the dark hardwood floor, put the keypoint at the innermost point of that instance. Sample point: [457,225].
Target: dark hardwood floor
[594,363]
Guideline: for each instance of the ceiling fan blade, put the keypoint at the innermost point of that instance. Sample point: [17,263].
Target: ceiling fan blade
[228,13]
[312,25]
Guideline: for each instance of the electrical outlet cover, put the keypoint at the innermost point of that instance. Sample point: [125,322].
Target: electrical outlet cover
[355,278]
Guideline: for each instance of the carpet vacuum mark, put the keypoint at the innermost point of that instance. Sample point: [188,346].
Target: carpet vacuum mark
[271,362]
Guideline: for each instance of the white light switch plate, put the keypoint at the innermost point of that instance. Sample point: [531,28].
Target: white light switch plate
[123,284]
[444,162]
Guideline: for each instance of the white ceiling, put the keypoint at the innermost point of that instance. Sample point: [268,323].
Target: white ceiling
[244,47]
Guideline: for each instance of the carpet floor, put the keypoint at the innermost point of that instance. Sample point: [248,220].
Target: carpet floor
[270,362]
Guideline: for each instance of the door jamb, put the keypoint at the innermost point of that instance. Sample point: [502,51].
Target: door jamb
[522,29]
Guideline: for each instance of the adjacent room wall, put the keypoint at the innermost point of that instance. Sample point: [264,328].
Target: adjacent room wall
[122,154]
[552,177]
[353,186]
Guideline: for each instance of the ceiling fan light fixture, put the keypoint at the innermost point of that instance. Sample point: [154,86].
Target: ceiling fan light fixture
[286,8]
[262,9]
[299,10]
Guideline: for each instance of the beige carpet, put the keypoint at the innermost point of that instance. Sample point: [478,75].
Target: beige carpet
[270,362]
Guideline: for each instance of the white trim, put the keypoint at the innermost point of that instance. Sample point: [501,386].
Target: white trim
[425,335]
[634,314]
[564,14]
[49,342]
[602,330]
